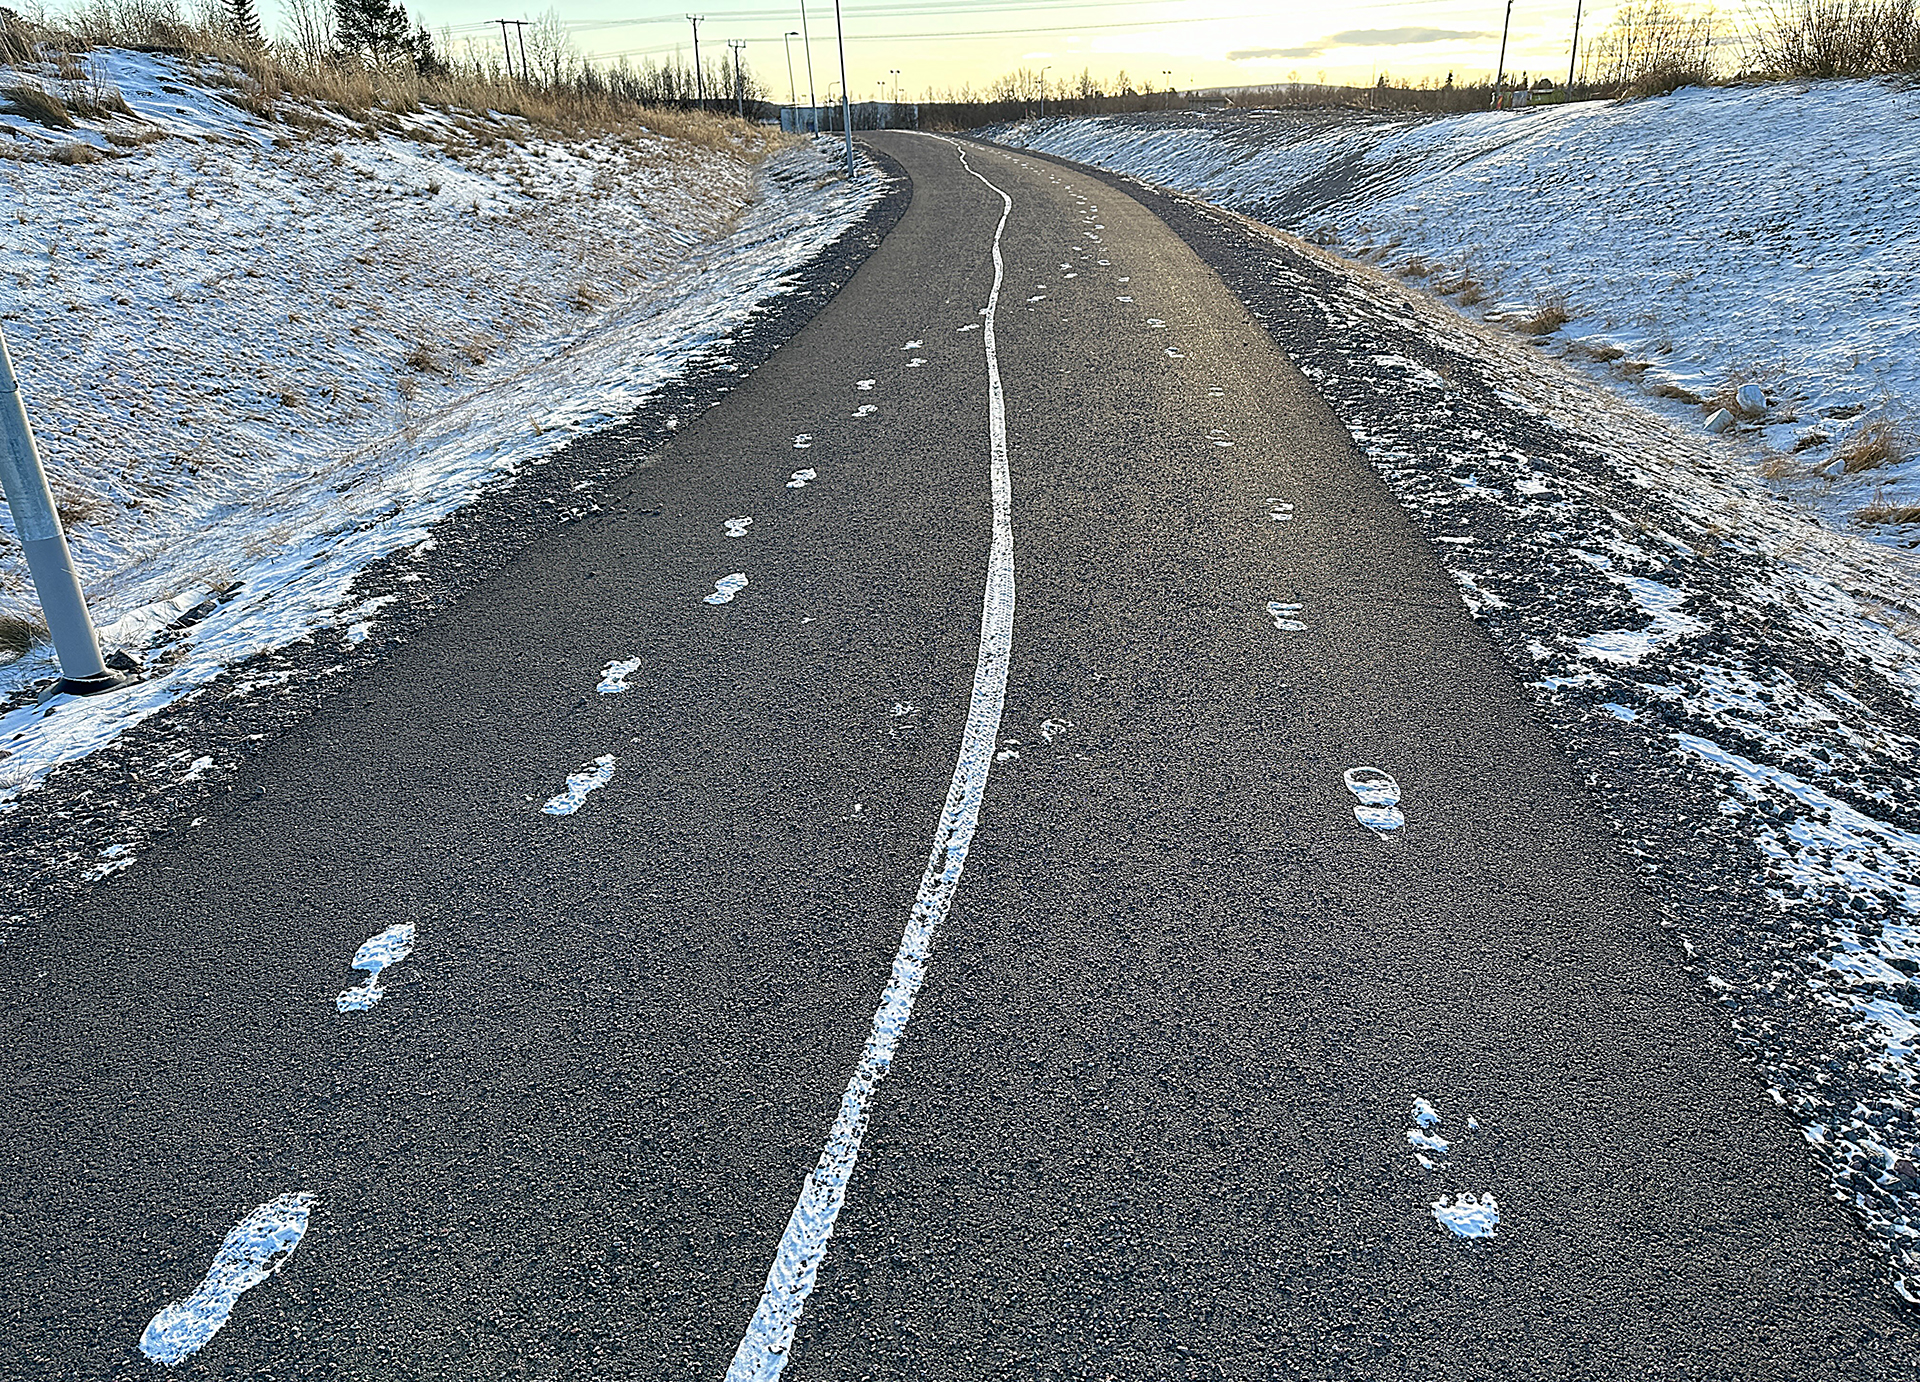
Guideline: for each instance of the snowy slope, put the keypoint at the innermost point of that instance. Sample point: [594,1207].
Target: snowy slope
[257,361]
[1766,234]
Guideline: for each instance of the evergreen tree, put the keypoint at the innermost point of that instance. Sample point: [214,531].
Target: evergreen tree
[376,31]
[244,16]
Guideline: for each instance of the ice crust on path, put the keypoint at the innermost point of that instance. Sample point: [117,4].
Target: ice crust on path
[1761,235]
[579,786]
[376,956]
[254,371]
[257,1247]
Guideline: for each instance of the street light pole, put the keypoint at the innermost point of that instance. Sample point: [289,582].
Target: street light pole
[1043,91]
[846,92]
[806,44]
[786,39]
[739,87]
[1500,77]
[1574,56]
[894,72]
[37,524]
[1167,72]
[699,77]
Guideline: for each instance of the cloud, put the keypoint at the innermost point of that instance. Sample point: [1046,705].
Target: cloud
[1359,38]
[1393,38]
[1250,54]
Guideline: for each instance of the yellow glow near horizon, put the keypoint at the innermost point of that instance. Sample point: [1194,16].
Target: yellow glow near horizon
[941,46]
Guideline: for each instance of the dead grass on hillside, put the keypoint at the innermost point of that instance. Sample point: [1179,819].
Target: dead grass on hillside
[32,102]
[1873,447]
[276,84]
[18,634]
[1545,319]
[1886,513]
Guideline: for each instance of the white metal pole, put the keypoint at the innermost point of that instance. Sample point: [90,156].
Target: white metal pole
[806,42]
[846,92]
[786,41]
[37,523]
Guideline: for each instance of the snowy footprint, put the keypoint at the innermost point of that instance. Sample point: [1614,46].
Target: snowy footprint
[803,442]
[1283,614]
[253,1250]
[1379,808]
[737,527]
[801,478]
[1279,510]
[376,956]
[726,588]
[1465,1216]
[614,679]
[589,779]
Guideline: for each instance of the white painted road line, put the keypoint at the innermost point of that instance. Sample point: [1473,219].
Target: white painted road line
[768,1343]
[253,1250]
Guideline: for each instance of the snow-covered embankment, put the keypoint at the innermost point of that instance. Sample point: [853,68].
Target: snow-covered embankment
[1766,235]
[263,353]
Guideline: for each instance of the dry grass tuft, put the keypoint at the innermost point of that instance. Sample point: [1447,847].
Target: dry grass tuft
[74,154]
[1886,513]
[1547,318]
[1806,441]
[39,105]
[18,634]
[1776,465]
[424,360]
[1680,393]
[1872,447]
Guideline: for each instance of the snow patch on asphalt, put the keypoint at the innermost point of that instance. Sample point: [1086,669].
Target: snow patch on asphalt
[579,785]
[1467,1215]
[376,956]
[613,681]
[1379,794]
[257,1247]
[726,587]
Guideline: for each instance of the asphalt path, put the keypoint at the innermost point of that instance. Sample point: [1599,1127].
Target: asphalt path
[1150,1115]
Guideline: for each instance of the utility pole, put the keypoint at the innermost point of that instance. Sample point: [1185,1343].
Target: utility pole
[1043,91]
[1501,76]
[739,87]
[37,523]
[699,77]
[846,92]
[807,44]
[520,29]
[504,43]
[786,40]
[1574,56]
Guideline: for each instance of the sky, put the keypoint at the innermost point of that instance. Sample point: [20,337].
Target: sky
[933,46]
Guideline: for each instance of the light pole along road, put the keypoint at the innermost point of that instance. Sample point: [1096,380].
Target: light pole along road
[971,956]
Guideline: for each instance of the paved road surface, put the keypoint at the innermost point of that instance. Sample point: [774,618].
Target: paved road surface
[1150,1116]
